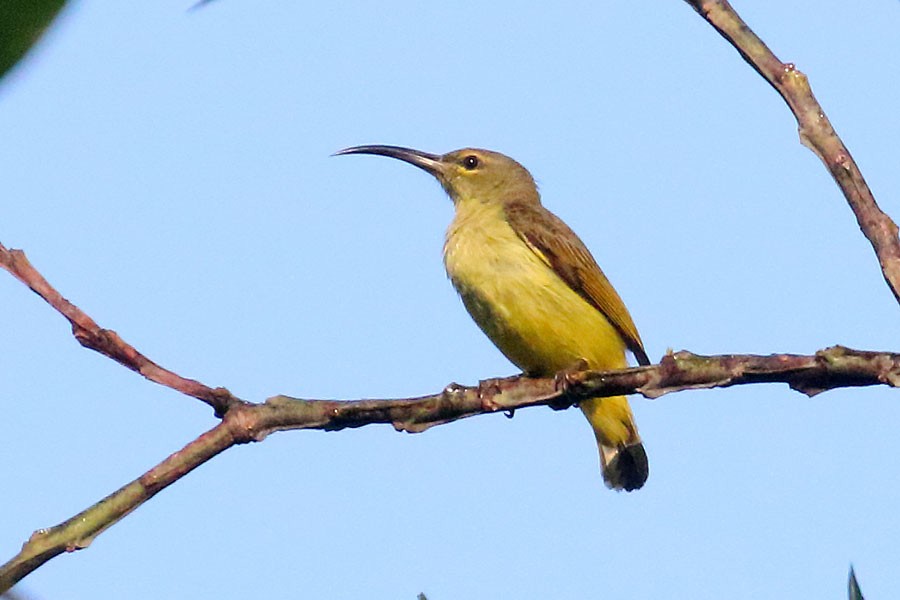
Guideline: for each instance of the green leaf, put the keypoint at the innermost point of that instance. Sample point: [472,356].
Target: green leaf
[21,24]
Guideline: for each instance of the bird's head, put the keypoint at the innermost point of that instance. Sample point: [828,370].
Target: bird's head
[467,174]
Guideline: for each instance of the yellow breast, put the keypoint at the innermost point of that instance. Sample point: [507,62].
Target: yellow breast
[530,313]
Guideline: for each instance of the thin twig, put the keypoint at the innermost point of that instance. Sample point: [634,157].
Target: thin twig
[106,341]
[816,132]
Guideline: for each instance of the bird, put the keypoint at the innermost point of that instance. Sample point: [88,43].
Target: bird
[534,289]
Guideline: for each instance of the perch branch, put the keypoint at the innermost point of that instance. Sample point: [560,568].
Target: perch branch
[816,132]
[245,422]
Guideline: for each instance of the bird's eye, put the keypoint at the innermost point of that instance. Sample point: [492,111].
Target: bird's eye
[471,162]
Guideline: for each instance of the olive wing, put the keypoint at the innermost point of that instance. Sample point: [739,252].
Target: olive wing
[558,246]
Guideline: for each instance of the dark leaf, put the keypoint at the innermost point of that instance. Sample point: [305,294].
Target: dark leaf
[853,591]
[21,24]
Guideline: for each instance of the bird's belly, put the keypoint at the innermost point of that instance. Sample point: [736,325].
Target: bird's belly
[530,313]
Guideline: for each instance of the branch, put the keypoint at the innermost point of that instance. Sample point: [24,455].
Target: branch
[816,132]
[106,341]
[245,422]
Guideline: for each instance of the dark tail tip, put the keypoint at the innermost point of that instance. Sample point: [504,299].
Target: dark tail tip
[628,469]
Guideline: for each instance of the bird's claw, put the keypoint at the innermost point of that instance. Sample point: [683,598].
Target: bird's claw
[562,381]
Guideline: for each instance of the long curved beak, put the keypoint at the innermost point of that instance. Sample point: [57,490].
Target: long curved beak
[430,163]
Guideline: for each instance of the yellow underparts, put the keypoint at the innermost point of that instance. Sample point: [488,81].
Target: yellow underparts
[530,313]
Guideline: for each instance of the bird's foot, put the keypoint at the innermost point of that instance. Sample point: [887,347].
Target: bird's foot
[562,383]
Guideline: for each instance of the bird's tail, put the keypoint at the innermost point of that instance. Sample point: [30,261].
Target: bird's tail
[623,460]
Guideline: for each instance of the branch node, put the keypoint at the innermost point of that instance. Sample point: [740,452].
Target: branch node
[488,389]
[243,426]
[453,389]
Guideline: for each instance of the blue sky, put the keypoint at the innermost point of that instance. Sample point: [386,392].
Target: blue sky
[170,172]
